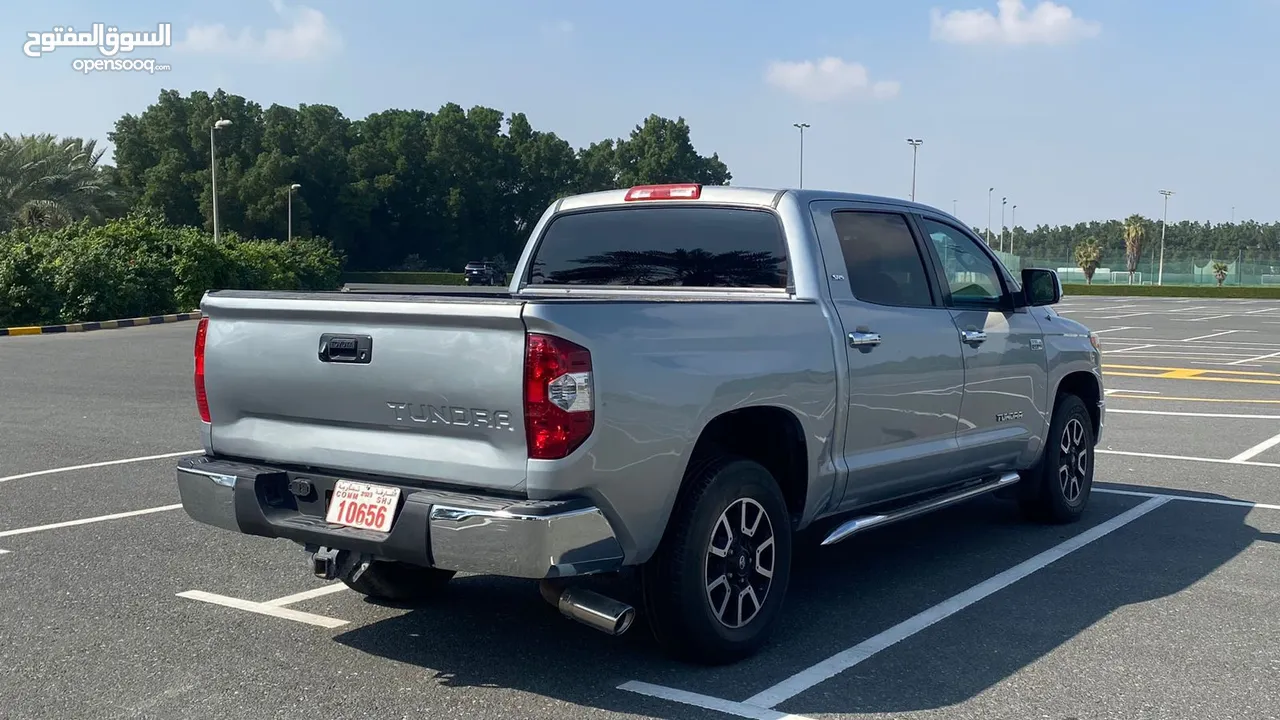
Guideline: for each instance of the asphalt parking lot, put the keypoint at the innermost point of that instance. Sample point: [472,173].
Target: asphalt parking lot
[1164,602]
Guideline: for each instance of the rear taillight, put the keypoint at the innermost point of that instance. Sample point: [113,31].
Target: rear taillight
[559,411]
[683,191]
[202,400]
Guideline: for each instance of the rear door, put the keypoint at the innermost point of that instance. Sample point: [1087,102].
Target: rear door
[1004,358]
[904,372]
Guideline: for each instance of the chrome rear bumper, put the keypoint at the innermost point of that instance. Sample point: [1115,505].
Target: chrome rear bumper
[432,528]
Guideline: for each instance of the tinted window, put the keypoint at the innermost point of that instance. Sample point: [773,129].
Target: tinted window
[881,258]
[969,271]
[664,247]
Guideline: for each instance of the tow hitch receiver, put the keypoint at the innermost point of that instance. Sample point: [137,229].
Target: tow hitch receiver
[334,564]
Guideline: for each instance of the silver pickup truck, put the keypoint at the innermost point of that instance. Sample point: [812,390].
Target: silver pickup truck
[678,381]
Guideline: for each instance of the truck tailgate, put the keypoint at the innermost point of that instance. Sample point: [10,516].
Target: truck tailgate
[438,395]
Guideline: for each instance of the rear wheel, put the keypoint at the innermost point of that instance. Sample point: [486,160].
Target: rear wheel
[400,582]
[715,587]
[1057,489]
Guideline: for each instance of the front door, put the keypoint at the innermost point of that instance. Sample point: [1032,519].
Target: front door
[904,366]
[1003,413]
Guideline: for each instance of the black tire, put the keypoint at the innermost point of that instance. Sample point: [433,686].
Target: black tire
[679,594]
[1057,489]
[400,582]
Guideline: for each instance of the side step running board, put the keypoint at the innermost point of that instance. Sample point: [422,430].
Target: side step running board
[866,522]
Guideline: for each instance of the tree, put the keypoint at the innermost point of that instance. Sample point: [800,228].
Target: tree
[1219,271]
[1088,254]
[443,187]
[1134,235]
[47,182]
[660,151]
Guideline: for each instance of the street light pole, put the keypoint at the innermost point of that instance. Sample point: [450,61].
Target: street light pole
[1164,222]
[953,207]
[801,127]
[1003,201]
[989,191]
[213,172]
[915,144]
[1013,225]
[292,187]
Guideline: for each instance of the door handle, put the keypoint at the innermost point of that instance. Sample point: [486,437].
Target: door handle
[973,337]
[861,338]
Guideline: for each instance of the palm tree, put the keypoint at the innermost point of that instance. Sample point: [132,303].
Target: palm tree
[1219,271]
[48,182]
[1135,232]
[1088,254]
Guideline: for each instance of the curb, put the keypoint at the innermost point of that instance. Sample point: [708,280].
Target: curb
[102,325]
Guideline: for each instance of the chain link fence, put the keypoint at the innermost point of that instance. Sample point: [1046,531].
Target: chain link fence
[1238,270]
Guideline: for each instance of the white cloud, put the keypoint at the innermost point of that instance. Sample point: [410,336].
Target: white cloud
[306,35]
[827,79]
[1048,23]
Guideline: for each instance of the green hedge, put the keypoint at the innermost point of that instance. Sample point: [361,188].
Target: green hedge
[1197,291]
[404,278]
[138,266]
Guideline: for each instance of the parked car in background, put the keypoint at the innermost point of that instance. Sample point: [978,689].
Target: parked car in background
[680,380]
[483,273]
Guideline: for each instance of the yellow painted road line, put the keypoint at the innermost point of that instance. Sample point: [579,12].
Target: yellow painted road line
[1122,396]
[1167,376]
[1194,371]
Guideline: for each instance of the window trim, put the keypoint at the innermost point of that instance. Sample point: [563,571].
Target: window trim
[788,264]
[931,281]
[1006,300]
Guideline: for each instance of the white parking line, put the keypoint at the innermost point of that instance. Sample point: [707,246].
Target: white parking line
[307,595]
[1179,413]
[1128,349]
[1159,456]
[1258,449]
[1123,327]
[707,702]
[263,609]
[90,466]
[86,521]
[1202,319]
[1122,390]
[846,659]
[1189,498]
[1210,335]
[1255,359]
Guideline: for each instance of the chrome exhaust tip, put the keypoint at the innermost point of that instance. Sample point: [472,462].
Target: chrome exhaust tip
[590,608]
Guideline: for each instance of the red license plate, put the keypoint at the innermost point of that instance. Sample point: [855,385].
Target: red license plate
[363,505]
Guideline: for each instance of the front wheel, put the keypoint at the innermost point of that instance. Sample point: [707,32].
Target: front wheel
[715,587]
[1057,489]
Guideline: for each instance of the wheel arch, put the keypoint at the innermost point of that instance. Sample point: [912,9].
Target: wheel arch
[1088,387]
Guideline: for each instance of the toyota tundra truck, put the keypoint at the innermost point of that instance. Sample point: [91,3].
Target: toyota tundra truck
[678,381]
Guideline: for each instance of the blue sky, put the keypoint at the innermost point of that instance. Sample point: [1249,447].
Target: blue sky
[1074,111]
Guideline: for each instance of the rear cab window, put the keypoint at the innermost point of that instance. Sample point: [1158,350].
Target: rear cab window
[663,246]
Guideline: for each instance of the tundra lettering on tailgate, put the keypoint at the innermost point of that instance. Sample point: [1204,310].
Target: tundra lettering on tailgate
[447,415]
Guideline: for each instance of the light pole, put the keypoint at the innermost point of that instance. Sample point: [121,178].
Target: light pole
[1002,203]
[989,191]
[1163,222]
[213,172]
[801,127]
[915,144]
[292,187]
[1013,225]
[953,207]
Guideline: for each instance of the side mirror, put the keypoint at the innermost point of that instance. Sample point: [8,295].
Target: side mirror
[1041,287]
